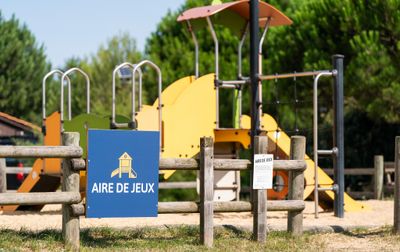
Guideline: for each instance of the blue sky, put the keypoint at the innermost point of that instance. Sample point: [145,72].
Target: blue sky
[70,28]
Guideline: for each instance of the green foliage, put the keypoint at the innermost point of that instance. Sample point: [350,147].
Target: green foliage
[99,67]
[366,32]
[171,47]
[179,194]
[22,66]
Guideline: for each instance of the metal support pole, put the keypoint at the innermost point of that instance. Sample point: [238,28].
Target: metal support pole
[338,135]
[254,68]
[241,42]
[215,38]
[254,97]
[237,103]
[196,49]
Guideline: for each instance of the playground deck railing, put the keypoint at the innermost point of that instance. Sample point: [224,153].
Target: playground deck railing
[206,164]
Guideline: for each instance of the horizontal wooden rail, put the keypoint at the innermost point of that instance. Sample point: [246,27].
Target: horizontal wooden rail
[389,165]
[219,207]
[230,206]
[228,164]
[39,198]
[40,151]
[15,170]
[290,165]
[179,164]
[177,185]
[389,170]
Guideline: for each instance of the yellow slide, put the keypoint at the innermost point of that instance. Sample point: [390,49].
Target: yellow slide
[282,141]
[189,113]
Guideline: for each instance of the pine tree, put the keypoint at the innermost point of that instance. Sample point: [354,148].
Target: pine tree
[22,67]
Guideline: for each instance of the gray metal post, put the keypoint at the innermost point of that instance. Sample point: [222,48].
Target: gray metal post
[338,134]
[254,70]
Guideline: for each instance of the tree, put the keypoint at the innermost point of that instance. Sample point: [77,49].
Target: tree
[22,67]
[99,67]
[171,47]
[366,32]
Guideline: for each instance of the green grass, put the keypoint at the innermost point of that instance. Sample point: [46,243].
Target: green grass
[177,238]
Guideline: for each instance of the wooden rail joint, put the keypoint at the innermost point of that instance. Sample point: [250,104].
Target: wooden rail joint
[78,164]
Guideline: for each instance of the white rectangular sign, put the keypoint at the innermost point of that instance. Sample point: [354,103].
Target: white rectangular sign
[262,174]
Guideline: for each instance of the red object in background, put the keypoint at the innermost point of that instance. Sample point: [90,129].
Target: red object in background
[20,175]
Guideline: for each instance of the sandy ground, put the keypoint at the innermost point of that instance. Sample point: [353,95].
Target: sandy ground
[381,214]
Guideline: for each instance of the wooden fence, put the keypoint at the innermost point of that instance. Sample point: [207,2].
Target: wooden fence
[72,208]
[381,173]
[70,183]
[396,224]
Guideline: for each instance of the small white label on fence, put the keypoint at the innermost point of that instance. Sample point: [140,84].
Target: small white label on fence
[263,166]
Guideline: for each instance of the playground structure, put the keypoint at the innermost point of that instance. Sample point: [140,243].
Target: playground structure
[179,118]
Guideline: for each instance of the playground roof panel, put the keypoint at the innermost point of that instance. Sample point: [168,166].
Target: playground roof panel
[242,9]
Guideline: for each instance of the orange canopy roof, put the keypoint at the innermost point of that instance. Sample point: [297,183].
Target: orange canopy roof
[242,9]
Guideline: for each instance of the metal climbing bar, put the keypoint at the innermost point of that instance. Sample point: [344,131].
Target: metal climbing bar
[131,125]
[216,48]
[64,76]
[51,73]
[160,105]
[315,141]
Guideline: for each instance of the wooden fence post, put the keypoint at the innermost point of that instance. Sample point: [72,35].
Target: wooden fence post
[296,184]
[378,177]
[3,175]
[70,183]
[397,186]
[206,191]
[259,198]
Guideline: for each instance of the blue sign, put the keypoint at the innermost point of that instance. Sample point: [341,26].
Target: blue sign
[122,174]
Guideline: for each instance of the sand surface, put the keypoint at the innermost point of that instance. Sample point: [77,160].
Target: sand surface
[381,214]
